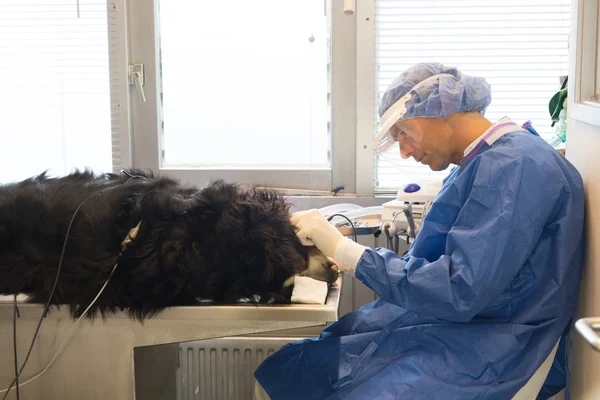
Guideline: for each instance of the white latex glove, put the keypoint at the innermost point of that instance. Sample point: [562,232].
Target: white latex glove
[314,230]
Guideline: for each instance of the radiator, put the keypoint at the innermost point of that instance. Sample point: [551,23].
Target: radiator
[222,369]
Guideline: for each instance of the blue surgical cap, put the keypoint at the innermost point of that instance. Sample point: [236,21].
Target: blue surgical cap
[435,91]
[441,97]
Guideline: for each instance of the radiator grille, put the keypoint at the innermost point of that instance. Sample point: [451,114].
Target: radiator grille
[222,369]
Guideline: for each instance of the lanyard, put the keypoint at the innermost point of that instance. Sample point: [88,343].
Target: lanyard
[490,137]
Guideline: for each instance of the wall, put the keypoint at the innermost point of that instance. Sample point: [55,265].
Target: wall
[582,151]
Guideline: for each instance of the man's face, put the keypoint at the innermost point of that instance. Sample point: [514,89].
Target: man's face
[426,140]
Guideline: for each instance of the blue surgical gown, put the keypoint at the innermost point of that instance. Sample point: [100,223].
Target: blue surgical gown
[485,292]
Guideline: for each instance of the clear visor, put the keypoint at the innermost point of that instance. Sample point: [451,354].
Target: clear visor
[384,140]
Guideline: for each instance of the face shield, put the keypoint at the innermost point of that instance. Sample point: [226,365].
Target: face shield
[384,140]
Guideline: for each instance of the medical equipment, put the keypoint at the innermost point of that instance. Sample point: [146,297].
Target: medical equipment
[356,221]
[405,214]
[15,354]
[402,216]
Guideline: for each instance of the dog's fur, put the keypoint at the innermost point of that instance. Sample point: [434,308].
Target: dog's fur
[222,242]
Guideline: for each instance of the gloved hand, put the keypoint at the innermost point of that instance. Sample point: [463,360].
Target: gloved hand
[314,230]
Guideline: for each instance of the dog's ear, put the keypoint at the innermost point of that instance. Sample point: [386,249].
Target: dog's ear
[270,258]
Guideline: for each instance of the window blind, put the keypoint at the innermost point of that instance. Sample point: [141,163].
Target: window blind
[520,47]
[54,87]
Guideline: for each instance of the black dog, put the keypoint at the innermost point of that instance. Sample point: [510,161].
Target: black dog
[222,242]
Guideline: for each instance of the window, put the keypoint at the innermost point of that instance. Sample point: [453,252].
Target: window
[237,90]
[236,98]
[584,100]
[54,87]
[519,46]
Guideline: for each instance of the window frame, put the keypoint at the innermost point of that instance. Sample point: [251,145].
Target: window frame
[120,99]
[142,23]
[365,97]
[584,103]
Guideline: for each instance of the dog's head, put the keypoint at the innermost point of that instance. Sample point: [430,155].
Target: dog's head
[246,237]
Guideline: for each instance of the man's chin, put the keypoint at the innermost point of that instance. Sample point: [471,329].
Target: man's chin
[438,167]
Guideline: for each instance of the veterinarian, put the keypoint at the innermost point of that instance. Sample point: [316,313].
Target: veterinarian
[488,289]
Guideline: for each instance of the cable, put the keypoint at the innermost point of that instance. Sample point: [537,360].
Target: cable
[60,349]
[47,306]
[388,236]
[130,236]
[15,311]
[131,176]
[349,221]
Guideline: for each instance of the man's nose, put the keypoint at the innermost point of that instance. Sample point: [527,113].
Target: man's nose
[405,150]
